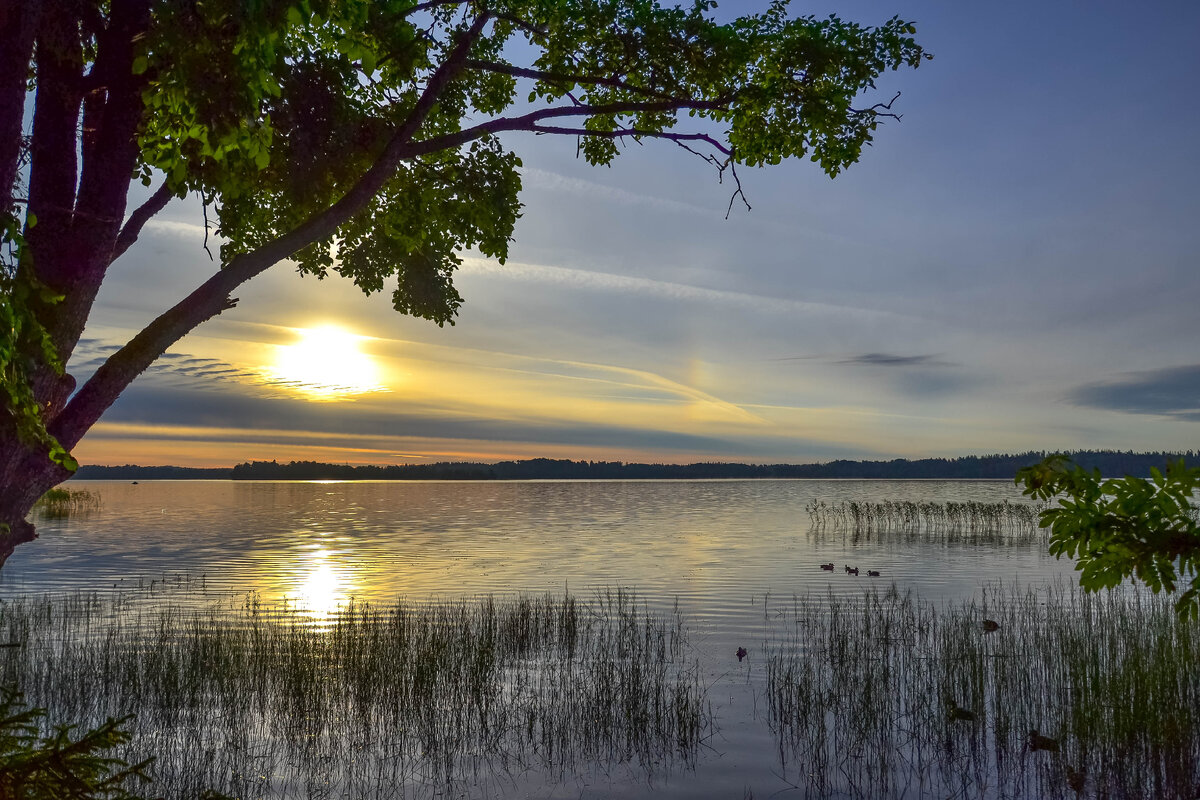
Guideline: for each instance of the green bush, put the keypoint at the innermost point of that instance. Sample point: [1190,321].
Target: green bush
[64,765]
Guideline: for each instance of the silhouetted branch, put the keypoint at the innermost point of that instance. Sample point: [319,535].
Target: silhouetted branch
[430,5]
[526,122]
[875,109]
[637,133]
[133,226]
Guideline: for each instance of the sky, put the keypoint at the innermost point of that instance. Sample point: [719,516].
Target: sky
[1012,266]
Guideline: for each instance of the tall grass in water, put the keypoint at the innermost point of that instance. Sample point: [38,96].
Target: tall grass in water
[61,503]
[386,701]
[966,520]
[892,697]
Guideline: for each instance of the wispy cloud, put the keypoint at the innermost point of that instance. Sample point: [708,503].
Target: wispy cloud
[647,287]
[1170,392]
[892,360]
[531,177]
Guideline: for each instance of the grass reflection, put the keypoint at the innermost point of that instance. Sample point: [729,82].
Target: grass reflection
[1052,694]
[385,701]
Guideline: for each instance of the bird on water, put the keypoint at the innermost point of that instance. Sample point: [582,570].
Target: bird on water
[957,713]
[1038,742]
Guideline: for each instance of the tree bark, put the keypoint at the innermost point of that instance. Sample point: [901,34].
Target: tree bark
[18,24]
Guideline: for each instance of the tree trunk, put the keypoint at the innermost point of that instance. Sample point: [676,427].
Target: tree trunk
[29,475]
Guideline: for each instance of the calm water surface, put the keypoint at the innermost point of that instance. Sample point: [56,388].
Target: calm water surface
[731,553]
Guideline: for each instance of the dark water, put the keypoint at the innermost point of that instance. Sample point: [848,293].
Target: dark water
[731,553]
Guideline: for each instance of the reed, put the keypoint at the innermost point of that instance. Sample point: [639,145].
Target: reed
[964,519]
[61,503]
[1068,695]
[383,701]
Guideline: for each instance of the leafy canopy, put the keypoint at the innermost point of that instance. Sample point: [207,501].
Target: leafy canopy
[1123,528]
[22,339]
[273,109]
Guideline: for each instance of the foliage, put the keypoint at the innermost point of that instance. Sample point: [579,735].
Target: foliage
[62,765]
[1123,527]
[23,338]
[304,98]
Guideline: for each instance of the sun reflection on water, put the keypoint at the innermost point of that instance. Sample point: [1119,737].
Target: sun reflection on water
[320,584]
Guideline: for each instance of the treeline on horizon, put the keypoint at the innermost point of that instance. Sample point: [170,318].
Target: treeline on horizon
[1000,466]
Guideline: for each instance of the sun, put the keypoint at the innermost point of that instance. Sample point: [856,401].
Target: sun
[325,363]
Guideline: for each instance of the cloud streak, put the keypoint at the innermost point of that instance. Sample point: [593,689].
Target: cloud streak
[1170,392]
[892,360]
[586,280]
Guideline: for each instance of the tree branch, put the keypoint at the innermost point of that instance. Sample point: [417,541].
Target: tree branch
[879,109]
[18,25]
[133,226]
[622,133]
[526,122]
[430,5]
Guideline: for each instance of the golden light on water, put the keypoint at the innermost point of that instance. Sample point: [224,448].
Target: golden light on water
[321,585]
[325,364]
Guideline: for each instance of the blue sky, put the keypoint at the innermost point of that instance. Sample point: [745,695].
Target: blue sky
[1011,266]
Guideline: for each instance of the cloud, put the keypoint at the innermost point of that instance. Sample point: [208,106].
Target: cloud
[667,290]
[270,419]
[892,360]
[534,178]
[1169,392]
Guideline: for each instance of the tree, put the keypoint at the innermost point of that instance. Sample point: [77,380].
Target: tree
[354,136]
[1123,528]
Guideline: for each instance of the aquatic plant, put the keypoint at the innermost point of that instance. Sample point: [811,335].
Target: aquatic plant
[1065,694]
[60,503]
[381,701]
[951,519]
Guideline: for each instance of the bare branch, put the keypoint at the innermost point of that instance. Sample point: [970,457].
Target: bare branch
[133,226]
[879,109]
[738,192]
[637,133]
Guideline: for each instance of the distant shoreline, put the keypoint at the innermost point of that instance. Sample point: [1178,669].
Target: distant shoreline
[989,467]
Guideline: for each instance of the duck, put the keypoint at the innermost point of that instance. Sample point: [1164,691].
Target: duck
[1076,779]
[1038,742]
[851,570]
[874,573]
[959,714]
[827,567]
[742,653]
[990,626]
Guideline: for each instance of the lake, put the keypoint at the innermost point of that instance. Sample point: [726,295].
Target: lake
[735,558]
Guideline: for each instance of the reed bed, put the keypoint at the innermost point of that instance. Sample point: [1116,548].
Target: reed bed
[968,519]
[401,700]
[891,697]
[61,503]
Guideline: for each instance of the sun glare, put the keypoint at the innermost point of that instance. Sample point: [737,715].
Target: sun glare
[325,363]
